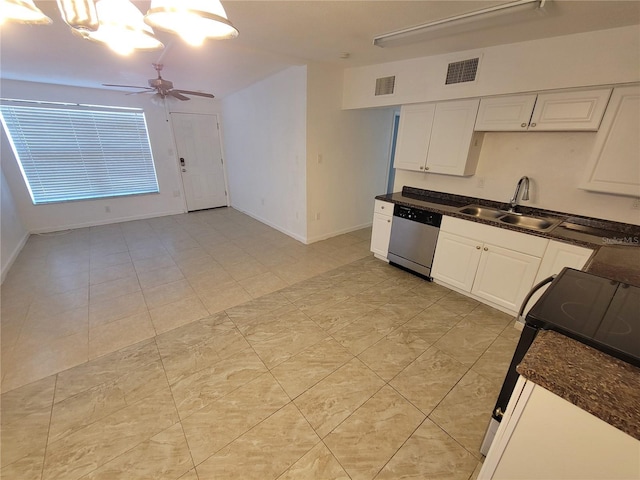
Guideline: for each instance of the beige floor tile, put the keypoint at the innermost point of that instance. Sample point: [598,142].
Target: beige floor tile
[152,259]
[23,401]
[160,276]
[330,401]
[111,272]
[105,369]
[428,379]
[391,355]
[367,330]
[39,361]
[209,384]
[463,412]
[366,440]
[167,293]
[84,450]
[178,313]
[28,467]
[490,318]
[494,362]
[308,367]
[75,413]
[61,302]
[262,284]
[165,456]
[42,328]
[429,453]
[25,436]
[318,463]
[114,288]
[245,269]
[115,335]
[457,303]
[466,341]
[340,315]
[264,452]
[109,260]
[224,298]
[105,311]
[221,422]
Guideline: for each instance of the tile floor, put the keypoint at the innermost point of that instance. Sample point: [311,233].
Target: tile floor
[208,345]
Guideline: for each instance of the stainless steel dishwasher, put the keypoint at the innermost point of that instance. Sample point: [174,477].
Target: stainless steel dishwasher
[414,234]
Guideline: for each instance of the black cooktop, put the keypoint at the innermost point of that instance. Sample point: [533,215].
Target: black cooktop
[599,312]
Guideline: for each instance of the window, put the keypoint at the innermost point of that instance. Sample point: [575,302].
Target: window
[75,152]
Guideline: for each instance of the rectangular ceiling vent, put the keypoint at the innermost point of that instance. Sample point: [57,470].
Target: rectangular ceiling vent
[463,71]
[385,85]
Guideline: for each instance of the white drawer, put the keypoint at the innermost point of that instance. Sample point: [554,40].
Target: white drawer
[384,208]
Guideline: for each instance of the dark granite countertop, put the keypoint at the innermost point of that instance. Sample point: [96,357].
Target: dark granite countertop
[616,245]
[598,383]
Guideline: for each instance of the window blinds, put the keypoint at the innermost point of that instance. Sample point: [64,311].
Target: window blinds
[78,153]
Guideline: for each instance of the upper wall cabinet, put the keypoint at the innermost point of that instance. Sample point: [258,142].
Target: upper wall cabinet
[439,138]
[546,112]
[614,166]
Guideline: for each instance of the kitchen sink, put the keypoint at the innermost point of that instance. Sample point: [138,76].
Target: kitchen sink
[478,211]
[534,223]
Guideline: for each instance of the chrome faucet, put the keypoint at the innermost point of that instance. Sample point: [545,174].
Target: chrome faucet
[525,193]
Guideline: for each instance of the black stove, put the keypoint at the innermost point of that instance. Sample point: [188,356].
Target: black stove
[594,310]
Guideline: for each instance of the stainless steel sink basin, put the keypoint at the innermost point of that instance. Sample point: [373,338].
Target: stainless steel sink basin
[533,223]
[478,211]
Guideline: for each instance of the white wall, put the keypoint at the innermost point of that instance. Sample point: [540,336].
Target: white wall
[594,58]
[347,157]
[43,218]
[13,235]
[554,161]
[265,138]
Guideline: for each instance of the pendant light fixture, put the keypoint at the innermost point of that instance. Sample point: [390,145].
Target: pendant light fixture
[122,28]
[193,20]
[22,11]
[80,15]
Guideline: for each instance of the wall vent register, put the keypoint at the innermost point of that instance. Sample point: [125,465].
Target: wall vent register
[385,85]
[462,71]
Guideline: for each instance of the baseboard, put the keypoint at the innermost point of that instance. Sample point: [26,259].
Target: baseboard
[13,256]
[324,236]
[272,225]
[106,222]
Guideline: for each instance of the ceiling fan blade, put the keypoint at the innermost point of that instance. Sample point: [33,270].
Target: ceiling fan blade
[138,93]
[201,94]
[178,95]
[125,86]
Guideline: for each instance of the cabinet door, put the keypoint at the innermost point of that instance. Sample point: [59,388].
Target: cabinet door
[505,276]
[456,260]
[581,110]
[414,133]
[451,137]
[614,166]
[505,114]
[380,234]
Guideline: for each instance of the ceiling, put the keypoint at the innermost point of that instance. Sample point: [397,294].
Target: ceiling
[277,34]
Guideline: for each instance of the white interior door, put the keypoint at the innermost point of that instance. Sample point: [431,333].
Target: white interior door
[200,156]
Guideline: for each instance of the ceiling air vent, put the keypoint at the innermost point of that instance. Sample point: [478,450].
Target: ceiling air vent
[464,71]
[385,85]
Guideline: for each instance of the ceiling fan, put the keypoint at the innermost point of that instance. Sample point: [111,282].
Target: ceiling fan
[162,88]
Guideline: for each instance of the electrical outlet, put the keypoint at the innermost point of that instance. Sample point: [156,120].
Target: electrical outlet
[317,215]
[636,204]
[319,158]
[480,182]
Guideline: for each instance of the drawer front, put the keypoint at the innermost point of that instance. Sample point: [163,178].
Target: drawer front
[384,208]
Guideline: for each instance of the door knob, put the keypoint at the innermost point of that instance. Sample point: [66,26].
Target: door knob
[184,169]
[182,161]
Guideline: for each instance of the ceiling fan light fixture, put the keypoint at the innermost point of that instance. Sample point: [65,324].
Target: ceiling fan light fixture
[122,28]
[22,11]
[193,20]
[79,14]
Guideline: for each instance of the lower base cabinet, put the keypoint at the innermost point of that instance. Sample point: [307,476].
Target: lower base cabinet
[545,436]
[381,229]
[492,264]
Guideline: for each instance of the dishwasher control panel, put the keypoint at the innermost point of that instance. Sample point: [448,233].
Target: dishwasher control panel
[417,215]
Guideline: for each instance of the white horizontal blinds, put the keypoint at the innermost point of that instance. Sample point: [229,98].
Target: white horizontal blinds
[77,153]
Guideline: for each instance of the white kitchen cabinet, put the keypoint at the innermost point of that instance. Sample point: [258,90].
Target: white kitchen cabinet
[439,138]
[491,264]
[545,436]
[576,110]
[381,229]
[614,166]
[456,260]
[508,113]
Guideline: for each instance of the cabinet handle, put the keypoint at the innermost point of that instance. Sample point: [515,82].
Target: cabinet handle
[523,125]
[421,168]
[533,124]
[382,207]
[477,247]
[426,168]
[486,249]
[388,221]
